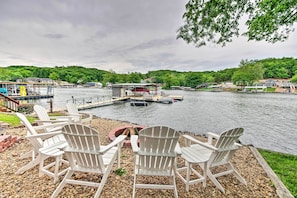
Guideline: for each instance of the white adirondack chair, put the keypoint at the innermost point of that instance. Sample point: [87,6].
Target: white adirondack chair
[209,155]
[77,115]
[50,145]
[155,156]
[85,154]
[45,119]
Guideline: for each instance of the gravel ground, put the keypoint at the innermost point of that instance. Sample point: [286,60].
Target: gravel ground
[29,184]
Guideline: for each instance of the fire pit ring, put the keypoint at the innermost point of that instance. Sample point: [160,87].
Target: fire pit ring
[120,130]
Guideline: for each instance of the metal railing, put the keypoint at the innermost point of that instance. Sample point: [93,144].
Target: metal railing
[89,100]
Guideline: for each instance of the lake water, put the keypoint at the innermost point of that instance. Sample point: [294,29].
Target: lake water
[269,120]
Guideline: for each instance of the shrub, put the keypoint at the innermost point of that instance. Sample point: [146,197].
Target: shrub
[26,108]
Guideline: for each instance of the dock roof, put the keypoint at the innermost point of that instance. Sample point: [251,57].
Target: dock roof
[133,84]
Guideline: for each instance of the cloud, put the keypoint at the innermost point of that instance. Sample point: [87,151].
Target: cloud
[54,36]
[123,36]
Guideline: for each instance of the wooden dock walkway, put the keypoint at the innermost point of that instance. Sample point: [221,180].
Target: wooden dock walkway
[99,102]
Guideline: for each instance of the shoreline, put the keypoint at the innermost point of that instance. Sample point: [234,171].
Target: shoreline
[30,184]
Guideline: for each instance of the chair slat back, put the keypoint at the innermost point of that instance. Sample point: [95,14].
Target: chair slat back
[36,142]
[156,147]
[42,113]
[84,146]
[226,145]
[72,109]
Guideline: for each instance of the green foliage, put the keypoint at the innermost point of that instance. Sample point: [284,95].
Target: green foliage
[26,108]
[224,75]
[217,21]
[121,171]
[279,68]
[54,76]
[284,166]
[294,79]
[272,20]
[193,79]
[249,71]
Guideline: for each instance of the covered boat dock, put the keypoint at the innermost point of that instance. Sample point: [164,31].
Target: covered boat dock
[136,93]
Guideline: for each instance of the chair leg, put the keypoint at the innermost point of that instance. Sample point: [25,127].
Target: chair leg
[57,165]
[30,165]
[134,186]
[103,181]
[119,156]
[28,154]
[204,174]
[174,184]
[41,164]
[189,166]
[215,181]
[62,184]
[236,174]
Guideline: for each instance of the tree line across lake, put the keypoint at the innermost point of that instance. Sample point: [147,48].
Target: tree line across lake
[247,73]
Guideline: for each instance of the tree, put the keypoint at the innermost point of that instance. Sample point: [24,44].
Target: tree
[193,79]
[4,74]
[217,21]
[248,73]
[294,79]
[54,76]
[135,77]
[15,75]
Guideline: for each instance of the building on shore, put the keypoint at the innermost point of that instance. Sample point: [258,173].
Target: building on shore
[28,89]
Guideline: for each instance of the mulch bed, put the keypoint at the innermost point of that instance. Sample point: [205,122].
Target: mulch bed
[29,184]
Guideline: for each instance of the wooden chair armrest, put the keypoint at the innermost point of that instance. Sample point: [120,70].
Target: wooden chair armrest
[209,146]
[44,135]
[69,118]
[178,149]
[118,141]
[49,126]
[51,121]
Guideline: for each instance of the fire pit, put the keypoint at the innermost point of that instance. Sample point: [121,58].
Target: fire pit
[125,130]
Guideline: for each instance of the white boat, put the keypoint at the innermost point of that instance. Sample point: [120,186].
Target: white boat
[138,103]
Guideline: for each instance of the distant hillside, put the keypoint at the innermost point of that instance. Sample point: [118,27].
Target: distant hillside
[271,67]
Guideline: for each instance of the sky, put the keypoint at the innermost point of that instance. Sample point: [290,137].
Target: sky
[116,35]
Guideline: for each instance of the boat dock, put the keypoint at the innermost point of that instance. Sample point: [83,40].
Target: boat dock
[30,97]
[88,103]
[141,92]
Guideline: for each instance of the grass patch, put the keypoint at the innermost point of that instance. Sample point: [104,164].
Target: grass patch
[284,166]
[270,90]
[13,120]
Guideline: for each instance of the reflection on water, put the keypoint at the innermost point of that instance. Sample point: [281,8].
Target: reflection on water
[268,119]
